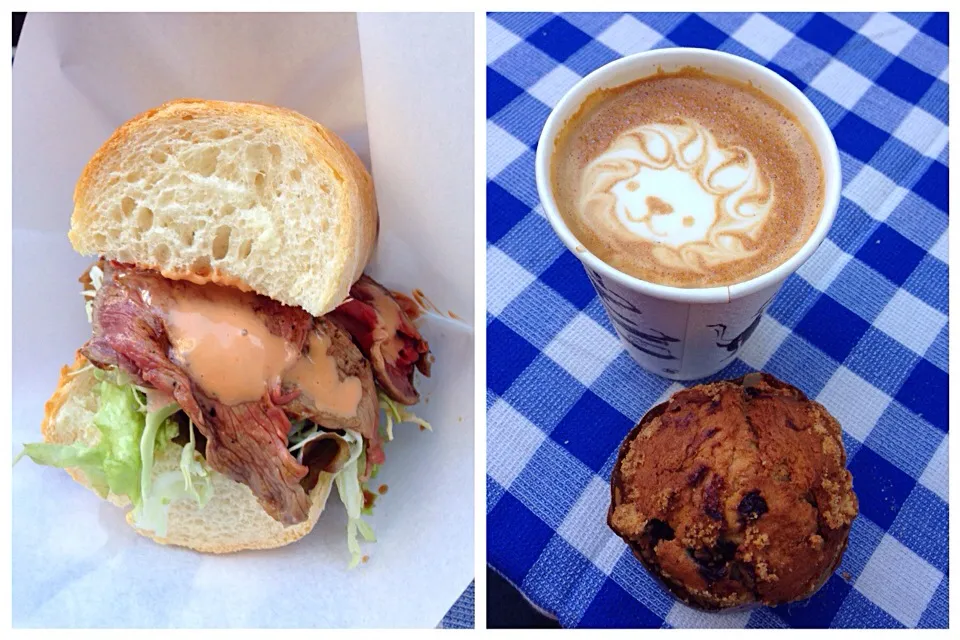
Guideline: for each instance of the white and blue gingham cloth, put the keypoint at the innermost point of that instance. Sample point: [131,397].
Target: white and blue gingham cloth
[862,327]
[461,614]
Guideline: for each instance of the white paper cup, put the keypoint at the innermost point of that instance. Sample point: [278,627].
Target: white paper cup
[680,333]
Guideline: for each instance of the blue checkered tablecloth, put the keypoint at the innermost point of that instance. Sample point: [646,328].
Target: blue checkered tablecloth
[461,614]
[561,393]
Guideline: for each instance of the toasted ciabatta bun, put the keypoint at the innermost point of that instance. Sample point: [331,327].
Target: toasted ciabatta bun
[249,195]
[232,520]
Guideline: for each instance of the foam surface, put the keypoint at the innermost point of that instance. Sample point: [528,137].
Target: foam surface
[688,179]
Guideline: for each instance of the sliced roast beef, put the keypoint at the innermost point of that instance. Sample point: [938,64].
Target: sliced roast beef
[247,441]
[350,363]
[386,336]
[128,333]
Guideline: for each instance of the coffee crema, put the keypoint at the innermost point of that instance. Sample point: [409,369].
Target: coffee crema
[687,179]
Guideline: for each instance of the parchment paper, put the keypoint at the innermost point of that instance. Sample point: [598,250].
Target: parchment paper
[77,77]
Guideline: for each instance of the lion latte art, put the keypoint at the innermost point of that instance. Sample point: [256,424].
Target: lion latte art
[688,179]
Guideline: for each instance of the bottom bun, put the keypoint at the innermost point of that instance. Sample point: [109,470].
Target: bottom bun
[232,520]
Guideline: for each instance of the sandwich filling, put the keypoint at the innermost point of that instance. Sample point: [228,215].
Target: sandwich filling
[386,336]
[264,393]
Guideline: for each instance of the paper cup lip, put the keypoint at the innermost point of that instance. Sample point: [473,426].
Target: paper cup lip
[623,70]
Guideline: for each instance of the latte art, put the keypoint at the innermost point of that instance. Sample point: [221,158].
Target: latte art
[687,179]
[672,185]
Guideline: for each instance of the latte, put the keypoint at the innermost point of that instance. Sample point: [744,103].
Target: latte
[687,179]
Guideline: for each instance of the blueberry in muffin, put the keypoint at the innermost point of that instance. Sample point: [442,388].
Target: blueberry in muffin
[735,493]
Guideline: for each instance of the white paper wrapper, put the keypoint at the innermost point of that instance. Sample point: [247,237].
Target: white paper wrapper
[408,111]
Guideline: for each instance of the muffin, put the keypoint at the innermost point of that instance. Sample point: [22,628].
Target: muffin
[735,493]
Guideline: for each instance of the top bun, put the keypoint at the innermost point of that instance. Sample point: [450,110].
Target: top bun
[248,195]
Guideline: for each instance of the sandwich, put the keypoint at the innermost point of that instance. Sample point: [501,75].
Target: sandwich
[239,358]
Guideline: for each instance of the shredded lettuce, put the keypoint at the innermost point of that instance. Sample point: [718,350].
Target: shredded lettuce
[347,480]
[73,456]
[190,481]
[367,510]
[148,442]
[193,468]
[302,432]
[96,280]
[122,461]
[397,413]
[351,495]
[121,426]
[113,464]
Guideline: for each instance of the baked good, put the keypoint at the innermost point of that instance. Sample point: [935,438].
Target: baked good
[250,195]
[735,493]
[239,356]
